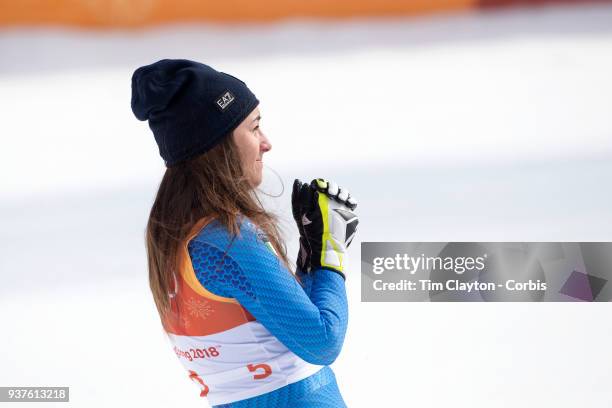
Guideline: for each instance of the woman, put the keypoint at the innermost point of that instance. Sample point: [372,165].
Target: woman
[249,332]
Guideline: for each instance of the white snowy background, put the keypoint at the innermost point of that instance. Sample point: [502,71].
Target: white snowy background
[489,126]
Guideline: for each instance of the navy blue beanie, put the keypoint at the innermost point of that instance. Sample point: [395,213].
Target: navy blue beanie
[190,106]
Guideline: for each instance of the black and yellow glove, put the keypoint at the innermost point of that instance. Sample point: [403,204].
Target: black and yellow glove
[325,216]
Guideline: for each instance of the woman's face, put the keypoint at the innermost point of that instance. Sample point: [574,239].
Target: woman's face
[252,144]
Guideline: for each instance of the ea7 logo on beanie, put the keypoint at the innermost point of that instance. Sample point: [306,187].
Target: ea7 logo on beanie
[225,100]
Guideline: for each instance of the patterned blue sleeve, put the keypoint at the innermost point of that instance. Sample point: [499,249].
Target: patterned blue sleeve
[310,321]
[306,281]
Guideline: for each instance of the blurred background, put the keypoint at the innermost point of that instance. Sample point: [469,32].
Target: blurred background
[453,120]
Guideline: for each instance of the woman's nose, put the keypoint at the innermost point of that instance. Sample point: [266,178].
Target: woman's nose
[266,146]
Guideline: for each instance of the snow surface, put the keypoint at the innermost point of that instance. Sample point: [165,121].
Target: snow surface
[483,127]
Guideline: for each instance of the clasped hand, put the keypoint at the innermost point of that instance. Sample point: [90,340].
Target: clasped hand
[324,214]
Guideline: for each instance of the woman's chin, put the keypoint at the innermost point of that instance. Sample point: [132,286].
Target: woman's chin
[255,181]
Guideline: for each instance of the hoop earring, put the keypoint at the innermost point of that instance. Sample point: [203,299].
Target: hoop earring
[279,179]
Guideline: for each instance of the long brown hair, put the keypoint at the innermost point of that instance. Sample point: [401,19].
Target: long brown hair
[212,184]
